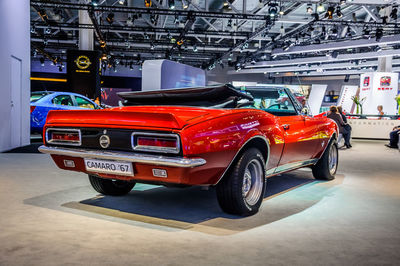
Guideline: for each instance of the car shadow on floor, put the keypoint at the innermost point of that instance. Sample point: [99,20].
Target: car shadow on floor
[197,209]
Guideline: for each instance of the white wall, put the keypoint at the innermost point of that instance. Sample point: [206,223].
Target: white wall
[15,43]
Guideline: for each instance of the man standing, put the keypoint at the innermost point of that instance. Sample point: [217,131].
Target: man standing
[394,138]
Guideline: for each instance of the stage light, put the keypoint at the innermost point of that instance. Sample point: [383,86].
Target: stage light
[147,3]
[48,30]
[152,46]
[194,48]
[95,2]
[185,4]
[226,4]
[33,29]
[393,14]
[121,2]
[309,9]
[273,10]
[110,18]
[339,12]
[45,42]
[171,4]
[104,57]
[379,34]
[329,12]
[229,24]
[342,2]
[41,61]
[320,8]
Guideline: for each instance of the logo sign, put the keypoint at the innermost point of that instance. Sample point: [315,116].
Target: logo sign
[366,81]
[83,62]
[385,81]
[104,141]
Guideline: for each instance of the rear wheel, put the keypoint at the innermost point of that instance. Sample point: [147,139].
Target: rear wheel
[241,191]
[110,187]
[325,168]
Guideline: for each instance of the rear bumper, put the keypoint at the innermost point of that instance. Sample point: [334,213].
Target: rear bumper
[125,156]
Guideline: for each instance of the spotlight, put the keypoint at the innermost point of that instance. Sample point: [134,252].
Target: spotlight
[342,2]
[121,2]
[129,21]
[229,24]
[147,3]
[48,30]
[171,4]
[226,4]
[45,42]
[110,18]
[329,12]
[309,9]
[104,57]
[127,45]
[273,10]
[379,34]
[152,46]
[185,4]
[194,48]
[281,12]
[41,61]
[33,29]
[393,14]
[95,2]
[320,8]
[339,12]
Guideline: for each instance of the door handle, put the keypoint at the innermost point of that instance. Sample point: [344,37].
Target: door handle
[286,126]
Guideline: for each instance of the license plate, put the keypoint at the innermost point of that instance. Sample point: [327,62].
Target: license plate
[109,167]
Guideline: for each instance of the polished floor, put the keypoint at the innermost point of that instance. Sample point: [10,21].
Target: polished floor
[53,217]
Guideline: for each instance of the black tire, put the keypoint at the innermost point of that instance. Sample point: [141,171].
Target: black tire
[325,169]
[111,187]
[236,195]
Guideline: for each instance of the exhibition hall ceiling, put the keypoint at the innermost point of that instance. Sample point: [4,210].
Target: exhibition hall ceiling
[248,35]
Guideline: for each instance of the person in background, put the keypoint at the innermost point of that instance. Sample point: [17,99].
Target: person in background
[347,127]
[335,116]
[380,111]
[394,138]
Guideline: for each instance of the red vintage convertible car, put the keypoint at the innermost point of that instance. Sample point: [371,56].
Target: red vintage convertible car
[214,136]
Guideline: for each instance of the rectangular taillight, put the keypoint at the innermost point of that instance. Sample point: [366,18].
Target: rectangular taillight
[63,136]
[156,142]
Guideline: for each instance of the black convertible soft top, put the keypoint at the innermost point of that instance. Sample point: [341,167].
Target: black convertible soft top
[211,96]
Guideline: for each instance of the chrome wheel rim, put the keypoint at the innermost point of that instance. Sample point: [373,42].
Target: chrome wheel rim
[332,159]
[252,182]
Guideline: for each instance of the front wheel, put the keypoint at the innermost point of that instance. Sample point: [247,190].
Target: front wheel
[110,187]
[241,191]
[325,168]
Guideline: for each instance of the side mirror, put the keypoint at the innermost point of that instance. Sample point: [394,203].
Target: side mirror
[305,111]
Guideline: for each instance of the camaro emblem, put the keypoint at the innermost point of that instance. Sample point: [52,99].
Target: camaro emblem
[104,141]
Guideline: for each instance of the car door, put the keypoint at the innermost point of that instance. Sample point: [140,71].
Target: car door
[300,135]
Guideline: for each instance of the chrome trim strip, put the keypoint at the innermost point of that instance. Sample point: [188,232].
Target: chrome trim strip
[291,166]
[69,143]
[234,157]
[125,156]
[156,149]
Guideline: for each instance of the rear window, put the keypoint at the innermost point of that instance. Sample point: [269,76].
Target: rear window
[38,95]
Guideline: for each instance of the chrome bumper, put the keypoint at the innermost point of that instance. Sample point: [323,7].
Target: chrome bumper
[125,156]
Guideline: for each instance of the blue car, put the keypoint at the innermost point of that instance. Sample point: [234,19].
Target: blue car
[44,101]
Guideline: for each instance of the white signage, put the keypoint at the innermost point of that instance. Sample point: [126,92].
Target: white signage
[316,97]
[379,88]
[345,99]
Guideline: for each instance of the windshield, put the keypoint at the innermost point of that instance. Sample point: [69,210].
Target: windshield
[273,100]
[38,95]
